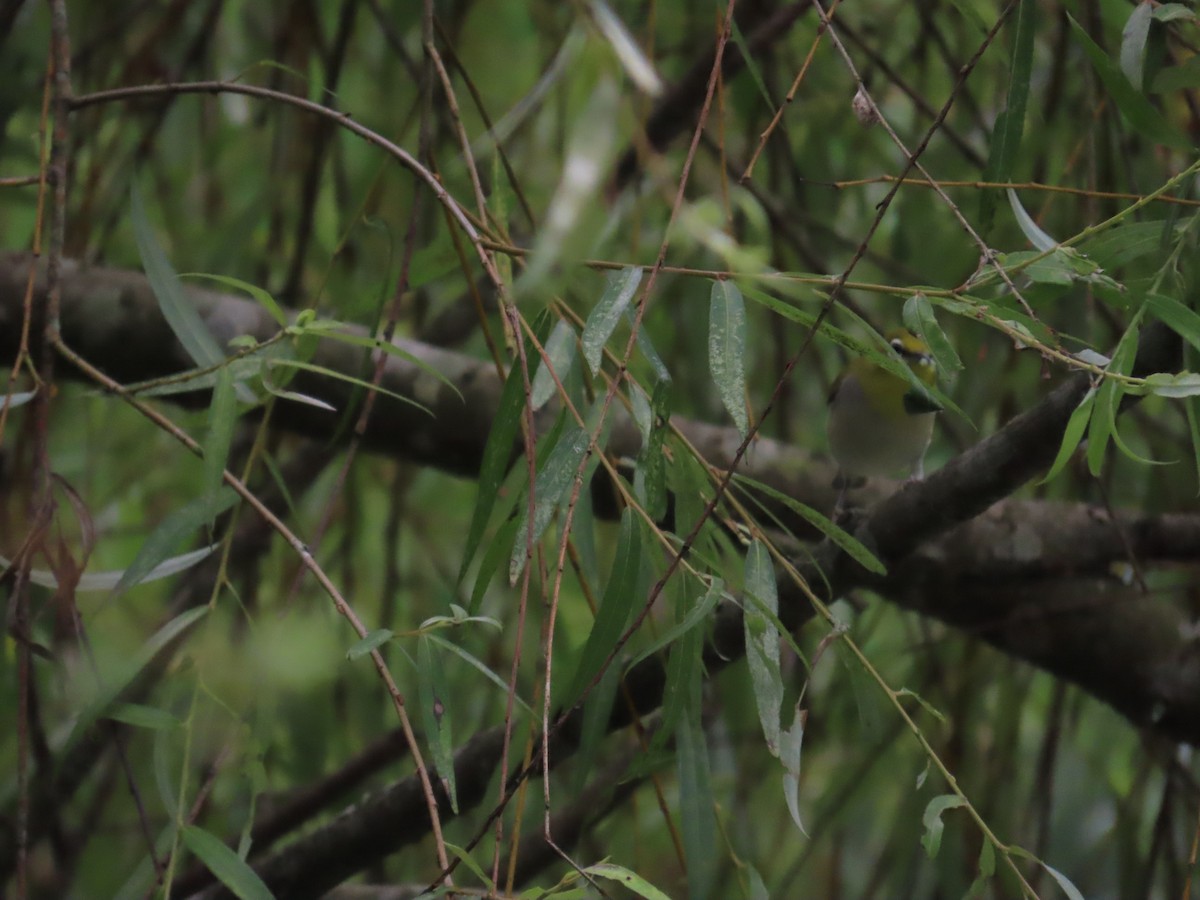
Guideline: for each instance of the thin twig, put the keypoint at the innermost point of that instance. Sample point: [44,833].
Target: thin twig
[913,157]
[787,100]
[996,185]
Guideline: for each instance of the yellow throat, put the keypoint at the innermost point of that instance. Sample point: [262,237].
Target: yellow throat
[879,425]
[887,393]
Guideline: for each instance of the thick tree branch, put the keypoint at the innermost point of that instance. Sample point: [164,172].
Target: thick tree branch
[111,318]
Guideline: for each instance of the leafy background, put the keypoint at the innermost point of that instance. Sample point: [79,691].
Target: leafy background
[155,722]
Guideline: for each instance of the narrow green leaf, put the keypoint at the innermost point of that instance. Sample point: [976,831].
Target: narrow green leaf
[106,581]
[694,617]
[1049,270]
[1193,418]
[1178,317]
[459,618]
[633,60]
[827,330]
[497,453]
[1063,882]
[1100,427]
[920,319]
[478,665]
[697,821]
[171,531]
[1183,384]
[349,379]
[1010,124]
[597,712]
[762,640]
[758,888]
[501,199]
[968,11]
[987,859]
[264,298]
[1033,233]
[602,321]
[647,347]
[1119,246]
[689,483]
[164,772]
[630,880]
[680,692]
[15,399]
[1120,444]
[1183,77]
[113,687]
[585,526]
[222,415]
[791,741]
[650,480]
[727,349]
[1108,398]
[435,714]
[1170,12]
[977,888]
[1133,43]
[497,552]
[552,482]
[750,57]
[887,358]
[1072,434]
[1134,106]
[297,397]
[560,350]
[620,598]
[932,819]
[843,539]
[230,869]
[141,716]
[640,410]
[581,395]
[373,641]
[180,314]
[925,704]
[469,861]
[337,332]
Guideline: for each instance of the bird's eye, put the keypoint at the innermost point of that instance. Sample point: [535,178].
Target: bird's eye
[898,345]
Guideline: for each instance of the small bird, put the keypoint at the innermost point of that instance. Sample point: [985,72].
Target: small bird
[879,424]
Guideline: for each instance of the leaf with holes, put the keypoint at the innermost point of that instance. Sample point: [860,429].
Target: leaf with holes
[932,820]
